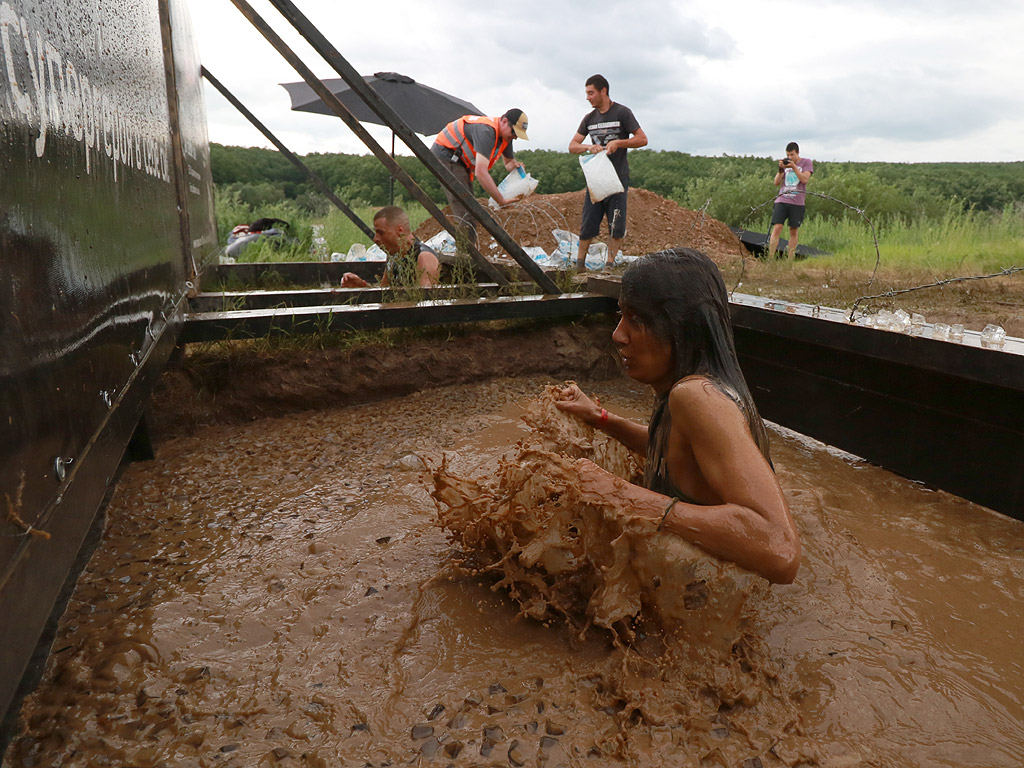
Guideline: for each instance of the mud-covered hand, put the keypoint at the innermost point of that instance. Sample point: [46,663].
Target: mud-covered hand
[598,486]
[572,400]
[352,280]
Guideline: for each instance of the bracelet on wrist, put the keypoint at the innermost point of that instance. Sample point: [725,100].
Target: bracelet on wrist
[671,503]
[604,417]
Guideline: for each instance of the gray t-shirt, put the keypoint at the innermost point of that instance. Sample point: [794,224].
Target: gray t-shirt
[483,137]
[617,123]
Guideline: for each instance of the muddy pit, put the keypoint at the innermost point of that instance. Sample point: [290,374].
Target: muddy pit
[280,592]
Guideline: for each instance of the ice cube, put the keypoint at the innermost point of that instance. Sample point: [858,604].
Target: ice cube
[940,331]
[901,321]
[993,336]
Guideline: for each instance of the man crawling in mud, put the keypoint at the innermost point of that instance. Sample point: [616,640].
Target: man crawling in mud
[410,262]
[708,476]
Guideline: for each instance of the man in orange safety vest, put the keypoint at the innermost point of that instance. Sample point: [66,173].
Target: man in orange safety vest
[470,146]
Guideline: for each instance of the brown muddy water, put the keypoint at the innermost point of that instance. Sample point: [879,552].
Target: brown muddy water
[280,593]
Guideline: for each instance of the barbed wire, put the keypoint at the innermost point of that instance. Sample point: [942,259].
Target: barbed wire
[702,213]
[893,292]
[534,208]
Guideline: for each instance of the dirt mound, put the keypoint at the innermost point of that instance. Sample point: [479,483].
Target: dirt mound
[652,224]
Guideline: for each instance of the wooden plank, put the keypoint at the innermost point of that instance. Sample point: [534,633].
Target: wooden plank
[214,326]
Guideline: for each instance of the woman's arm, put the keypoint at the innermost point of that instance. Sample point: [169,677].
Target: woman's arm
[752,525]
[628,432]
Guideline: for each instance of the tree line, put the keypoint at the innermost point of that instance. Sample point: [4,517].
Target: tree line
[729,187]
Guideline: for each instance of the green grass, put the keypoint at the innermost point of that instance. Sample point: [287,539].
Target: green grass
[339,231]
[958,242]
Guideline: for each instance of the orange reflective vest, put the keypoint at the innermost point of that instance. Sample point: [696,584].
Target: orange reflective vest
[453,137]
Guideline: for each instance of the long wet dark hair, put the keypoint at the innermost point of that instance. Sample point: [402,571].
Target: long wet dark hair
[680,297]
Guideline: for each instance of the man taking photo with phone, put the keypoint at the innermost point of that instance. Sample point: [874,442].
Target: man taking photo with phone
[792,177]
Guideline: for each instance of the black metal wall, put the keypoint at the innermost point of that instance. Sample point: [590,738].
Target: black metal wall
[102,142]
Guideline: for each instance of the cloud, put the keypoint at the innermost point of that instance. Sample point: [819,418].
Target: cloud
[737,76]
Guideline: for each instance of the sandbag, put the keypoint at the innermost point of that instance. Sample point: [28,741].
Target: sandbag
[517,184]
[602,180]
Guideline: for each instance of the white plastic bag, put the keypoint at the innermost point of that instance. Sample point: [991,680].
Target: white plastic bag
[517,184]
[569,246]
[442,243]
[602,180]
[359,252]
[568,243]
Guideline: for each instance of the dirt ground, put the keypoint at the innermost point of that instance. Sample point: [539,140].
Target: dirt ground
[238,382]
[655,223]
[975,303]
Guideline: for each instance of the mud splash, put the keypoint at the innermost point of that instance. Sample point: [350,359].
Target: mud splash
[525,519]
[679,619]
[279,593]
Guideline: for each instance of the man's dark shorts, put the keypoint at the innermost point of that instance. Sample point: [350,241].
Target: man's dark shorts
[590,227]
[783,211]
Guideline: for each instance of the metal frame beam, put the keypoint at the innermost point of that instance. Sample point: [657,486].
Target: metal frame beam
[320,297]
[217,326]
[177,152]
[381,108]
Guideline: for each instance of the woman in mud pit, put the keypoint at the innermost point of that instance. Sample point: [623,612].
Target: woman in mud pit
[708,476]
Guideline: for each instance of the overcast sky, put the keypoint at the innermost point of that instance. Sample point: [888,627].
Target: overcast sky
[891,80]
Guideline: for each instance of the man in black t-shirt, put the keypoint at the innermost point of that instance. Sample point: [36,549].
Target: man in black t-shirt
[611,127]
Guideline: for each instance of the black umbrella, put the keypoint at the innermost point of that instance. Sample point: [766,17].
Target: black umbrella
[424,109]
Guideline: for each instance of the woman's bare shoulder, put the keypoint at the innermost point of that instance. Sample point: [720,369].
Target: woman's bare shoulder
[698,389]
[694,397]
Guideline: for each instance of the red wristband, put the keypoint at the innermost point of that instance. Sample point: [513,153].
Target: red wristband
[604,416]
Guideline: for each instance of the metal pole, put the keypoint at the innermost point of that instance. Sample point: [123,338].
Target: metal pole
[381,108]
[317,181]
[177,152]
[392,179]
[357,128]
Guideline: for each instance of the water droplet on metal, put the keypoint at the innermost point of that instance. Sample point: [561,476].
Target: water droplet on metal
[60,466]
